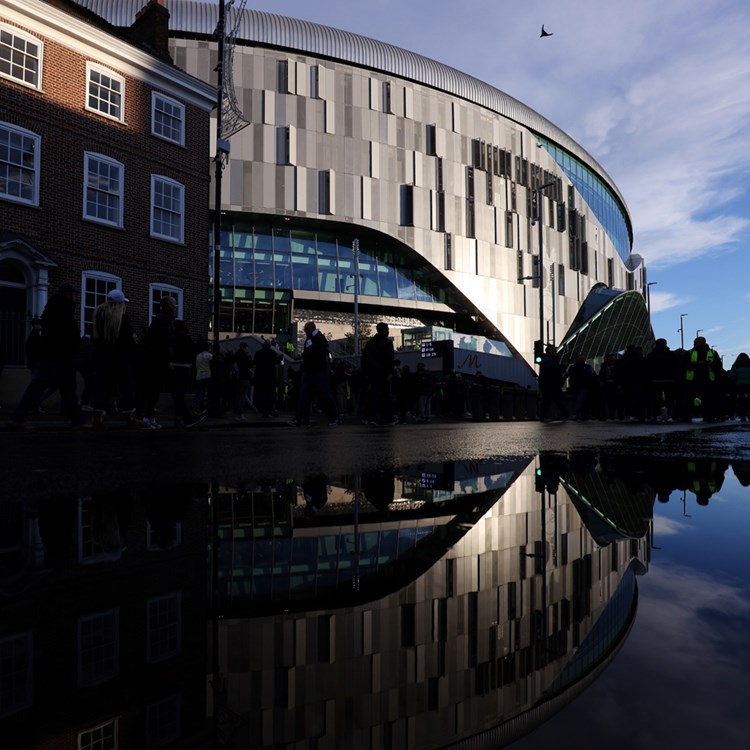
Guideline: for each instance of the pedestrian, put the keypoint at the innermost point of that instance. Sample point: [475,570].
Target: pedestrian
[267,361]
[661,377]
[424,384]
[739,378]
[704,375]
[33,351]
[551,379]
[632,380]
[405,392]
[315,378]
[580,379]
[114,344]
[243,368]
[377,366]
[159,368]
[56,366]
[202,378]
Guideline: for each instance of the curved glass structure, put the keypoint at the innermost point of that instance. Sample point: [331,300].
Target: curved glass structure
[608,321]
[604,203]
[263,263]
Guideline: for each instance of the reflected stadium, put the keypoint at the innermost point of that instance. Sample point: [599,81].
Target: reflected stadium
[358,160]
[451,604]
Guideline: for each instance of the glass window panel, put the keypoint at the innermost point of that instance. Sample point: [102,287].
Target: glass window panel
[226,271]
[327,249]
[407,538]
[243,272]
[304,273]
[346,276]
[388,546]
[328,274]
[368,272]
[264,269]
[282,268]
[387,280]
[303,243]
[281,240]
[406,288]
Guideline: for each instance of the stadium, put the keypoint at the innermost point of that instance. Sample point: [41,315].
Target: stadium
[355,160]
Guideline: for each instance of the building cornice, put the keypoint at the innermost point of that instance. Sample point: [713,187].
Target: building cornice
[96,44]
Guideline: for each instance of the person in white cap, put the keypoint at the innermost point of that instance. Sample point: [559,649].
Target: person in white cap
[114,358]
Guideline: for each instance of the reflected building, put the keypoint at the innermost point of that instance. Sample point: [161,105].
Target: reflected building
[499,610]
[102,637]
[363,160]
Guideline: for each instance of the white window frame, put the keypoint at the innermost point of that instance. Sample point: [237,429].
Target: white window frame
[103,110]
[164,290]
[104,283]
[15,694]
[158,630]
[119,195]
[180,213]
[178,116]
[164,721]
[22,36]
[88,676]
[22,133]
[96,742]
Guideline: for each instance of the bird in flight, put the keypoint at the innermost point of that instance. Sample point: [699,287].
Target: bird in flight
[545,33]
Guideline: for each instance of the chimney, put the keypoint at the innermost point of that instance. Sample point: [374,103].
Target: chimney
[151,29]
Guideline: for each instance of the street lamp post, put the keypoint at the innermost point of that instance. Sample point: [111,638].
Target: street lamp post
[648,295]
[540,265]
[682,330]
[698,332]
[355,255]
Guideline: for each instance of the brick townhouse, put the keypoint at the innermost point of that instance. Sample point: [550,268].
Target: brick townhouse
[104,169]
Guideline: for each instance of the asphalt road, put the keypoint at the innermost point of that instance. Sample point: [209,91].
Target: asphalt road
[61,462]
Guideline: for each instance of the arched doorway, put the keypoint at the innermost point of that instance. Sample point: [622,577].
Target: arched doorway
[24,284]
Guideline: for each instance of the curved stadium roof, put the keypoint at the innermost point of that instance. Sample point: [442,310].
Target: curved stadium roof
[199,17]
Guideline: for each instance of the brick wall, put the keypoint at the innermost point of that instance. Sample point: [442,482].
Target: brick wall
[56,227]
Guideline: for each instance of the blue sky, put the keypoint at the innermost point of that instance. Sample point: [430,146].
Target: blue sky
[657,92]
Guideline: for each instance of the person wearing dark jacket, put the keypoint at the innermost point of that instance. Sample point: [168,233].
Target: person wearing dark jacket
[551,379]
[267,361]
[315,380]
[56,365]
[661,378]
[114,359]
[377,365]
[158,367]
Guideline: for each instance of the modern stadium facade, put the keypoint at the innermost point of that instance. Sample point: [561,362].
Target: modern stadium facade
[434,176]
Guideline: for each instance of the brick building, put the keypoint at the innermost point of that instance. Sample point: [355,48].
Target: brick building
[104,168]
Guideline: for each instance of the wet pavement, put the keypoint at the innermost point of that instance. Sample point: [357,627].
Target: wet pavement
[421,586]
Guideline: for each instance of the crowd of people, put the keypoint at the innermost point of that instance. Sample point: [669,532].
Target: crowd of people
[126,372]
[662,386]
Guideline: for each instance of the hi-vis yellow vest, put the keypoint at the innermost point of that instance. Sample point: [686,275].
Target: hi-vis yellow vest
[709,361]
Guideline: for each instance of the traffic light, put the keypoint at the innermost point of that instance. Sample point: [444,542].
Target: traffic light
[538,350]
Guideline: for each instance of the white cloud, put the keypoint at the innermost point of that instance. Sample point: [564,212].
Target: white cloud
[661,301]
[664,526]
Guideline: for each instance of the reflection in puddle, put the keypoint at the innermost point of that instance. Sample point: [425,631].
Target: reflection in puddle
[418,606]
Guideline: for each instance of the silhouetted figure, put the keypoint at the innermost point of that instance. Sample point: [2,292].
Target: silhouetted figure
[551,379]
[267,361]
[315,378]
[56,366]
[377,365]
